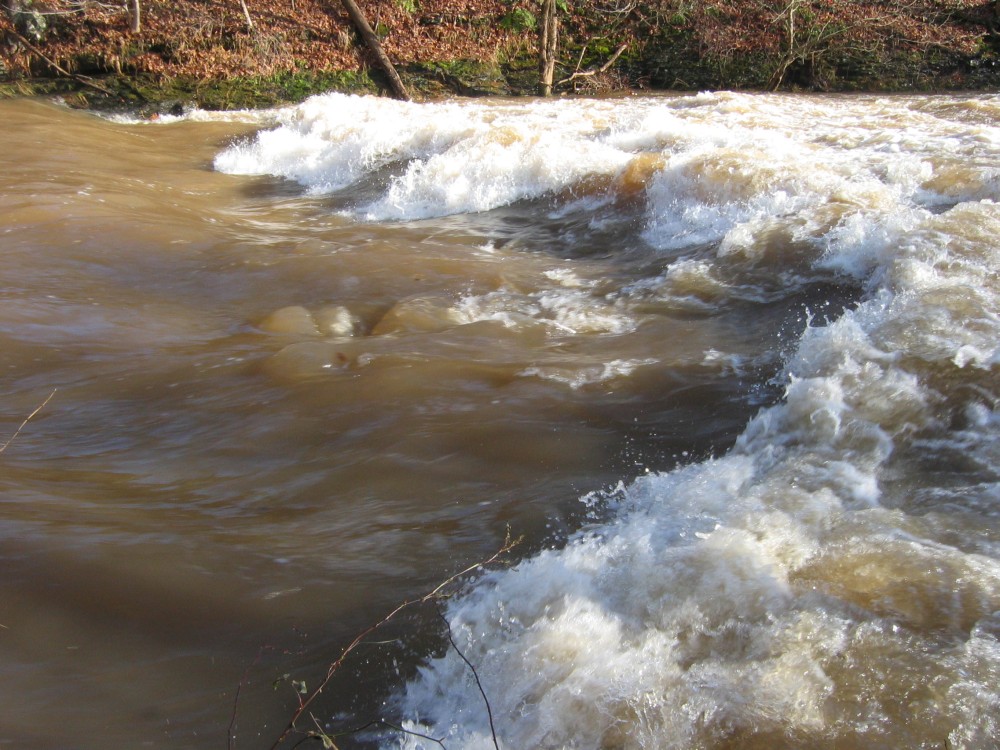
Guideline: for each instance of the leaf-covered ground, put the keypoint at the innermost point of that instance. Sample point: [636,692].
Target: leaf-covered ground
[211,38]
[812,44]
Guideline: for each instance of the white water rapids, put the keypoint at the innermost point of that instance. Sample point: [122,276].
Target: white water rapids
[834,579]
[728,361]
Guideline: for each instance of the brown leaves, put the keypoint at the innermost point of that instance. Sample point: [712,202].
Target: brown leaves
[210,39]
[761,26]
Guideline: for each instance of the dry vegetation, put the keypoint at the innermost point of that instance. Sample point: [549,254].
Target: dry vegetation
[210,38]
[812,44]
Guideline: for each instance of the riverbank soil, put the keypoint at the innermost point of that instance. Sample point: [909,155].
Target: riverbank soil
[222,54]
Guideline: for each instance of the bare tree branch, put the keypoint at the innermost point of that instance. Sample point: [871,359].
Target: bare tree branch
[595,71]
[75,76]
[38,408]
[475,675]
[438,592]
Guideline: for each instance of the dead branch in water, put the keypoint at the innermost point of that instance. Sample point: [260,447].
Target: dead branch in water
[26,420]
[475,675]
[436,594]
[594,71]
[239,689]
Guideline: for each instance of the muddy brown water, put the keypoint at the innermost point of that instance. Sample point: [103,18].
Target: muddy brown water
[727,362]
[207,480]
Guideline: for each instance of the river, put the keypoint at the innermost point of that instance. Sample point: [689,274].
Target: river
[728,363]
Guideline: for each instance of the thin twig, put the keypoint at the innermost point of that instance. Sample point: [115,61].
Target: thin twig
[435,593]
[475,675]
[28,419]
[410,731]
[309,737]
[363,727]
[324,737]
[624,10]
[579,62]
[236,699]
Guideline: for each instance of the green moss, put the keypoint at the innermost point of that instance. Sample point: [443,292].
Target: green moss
[265,91]
[672,61]
[261,91]
[743,71]
[65,88]
[149,95]
[519,19]
[462,77]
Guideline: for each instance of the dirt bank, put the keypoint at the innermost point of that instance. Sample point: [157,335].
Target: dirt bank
[214,54]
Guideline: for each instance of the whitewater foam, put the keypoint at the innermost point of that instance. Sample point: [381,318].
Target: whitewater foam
[770,597]
[826,582]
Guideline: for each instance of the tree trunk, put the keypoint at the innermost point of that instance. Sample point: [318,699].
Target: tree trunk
[778,77]
[361,24]
[135,13]
[548,46]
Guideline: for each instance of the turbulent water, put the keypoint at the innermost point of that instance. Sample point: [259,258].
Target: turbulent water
[728,362]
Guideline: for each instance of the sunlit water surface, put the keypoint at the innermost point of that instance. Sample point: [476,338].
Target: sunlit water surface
[729,363]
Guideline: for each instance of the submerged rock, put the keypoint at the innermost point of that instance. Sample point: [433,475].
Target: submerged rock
[294,319]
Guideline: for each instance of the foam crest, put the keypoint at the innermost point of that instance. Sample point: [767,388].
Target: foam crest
[455,157]
[578,376]
[720,606]
[492,168]
[707,164]
[333,140]
[562,311]
[949,310]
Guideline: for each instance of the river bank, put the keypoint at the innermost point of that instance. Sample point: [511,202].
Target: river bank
[212,55]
